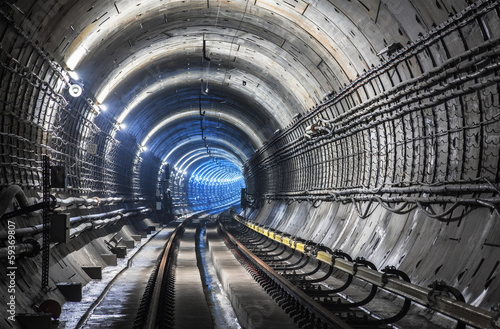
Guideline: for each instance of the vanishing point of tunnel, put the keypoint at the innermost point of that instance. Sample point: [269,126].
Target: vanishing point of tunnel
[366,128]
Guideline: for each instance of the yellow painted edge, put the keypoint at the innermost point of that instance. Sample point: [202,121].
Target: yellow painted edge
[324,257]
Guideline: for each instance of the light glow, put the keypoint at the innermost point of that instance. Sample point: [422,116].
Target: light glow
[75,58]
[255,139]
[73,75]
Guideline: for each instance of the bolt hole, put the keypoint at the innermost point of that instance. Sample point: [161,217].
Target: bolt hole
[491,277]
[488,282]
[459,278]
[418,264]
[478,267]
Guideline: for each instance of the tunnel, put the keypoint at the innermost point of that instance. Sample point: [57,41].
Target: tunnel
[366,126]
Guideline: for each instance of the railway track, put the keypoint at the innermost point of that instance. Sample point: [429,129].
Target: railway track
[354,289]
[177,295]
[276,281]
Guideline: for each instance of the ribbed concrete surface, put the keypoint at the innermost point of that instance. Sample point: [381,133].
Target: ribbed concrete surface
[253,306]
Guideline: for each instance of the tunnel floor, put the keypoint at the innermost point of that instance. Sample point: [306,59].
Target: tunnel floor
[119,306]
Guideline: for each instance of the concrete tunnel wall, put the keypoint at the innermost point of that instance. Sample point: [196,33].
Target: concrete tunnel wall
[314,189]
[345,190]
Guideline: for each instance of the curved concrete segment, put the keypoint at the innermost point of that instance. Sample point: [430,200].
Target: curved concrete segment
[368,126]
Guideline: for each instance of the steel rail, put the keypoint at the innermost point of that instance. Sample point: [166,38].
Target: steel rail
[152,319]
[298,294]
[461,311]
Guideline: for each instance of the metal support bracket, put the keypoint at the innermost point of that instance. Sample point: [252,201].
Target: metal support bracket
[46,221]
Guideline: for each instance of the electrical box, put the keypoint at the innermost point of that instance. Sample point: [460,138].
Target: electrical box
[59,228]
[58,177]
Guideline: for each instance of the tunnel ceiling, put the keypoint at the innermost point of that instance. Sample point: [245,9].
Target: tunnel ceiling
[395,158]
[248,66]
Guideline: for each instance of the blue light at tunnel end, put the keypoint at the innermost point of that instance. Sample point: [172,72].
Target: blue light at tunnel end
[211,186]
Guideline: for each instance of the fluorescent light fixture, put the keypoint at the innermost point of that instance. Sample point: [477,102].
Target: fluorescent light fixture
[103,107]
[75,58]
[73,75]
[75,90]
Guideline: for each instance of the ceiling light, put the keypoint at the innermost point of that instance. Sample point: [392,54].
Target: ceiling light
[75,58]
[73,75]
[75,90]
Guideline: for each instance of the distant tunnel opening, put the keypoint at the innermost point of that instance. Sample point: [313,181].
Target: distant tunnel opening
[210,185]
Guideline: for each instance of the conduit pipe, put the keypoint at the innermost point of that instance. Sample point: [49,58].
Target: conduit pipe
[32,230]
[86,218]
[29,247]
[98,224]
[11,192]
[15,191]
[458,21]
[438,188]
[94,201]
[21,232]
